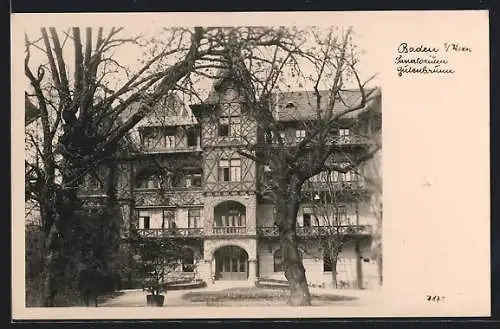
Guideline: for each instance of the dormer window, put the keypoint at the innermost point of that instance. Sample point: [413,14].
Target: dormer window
[289,105]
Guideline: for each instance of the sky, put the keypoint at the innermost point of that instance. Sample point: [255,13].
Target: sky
[130,54]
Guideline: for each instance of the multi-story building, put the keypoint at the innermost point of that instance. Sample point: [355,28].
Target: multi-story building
[188,182]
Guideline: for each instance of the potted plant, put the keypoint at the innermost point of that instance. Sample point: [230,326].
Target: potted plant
[153,284]
[158,258]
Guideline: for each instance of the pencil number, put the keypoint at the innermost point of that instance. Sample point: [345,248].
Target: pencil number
[435,298]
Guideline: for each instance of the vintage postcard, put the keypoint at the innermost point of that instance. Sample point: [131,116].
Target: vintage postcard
[263,165]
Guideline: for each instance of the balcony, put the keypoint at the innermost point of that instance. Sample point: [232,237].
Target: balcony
[160,149]
[170,232]
[171,197]
[272,231]
[334,186]
[345,140]
[351,140]
[230,230]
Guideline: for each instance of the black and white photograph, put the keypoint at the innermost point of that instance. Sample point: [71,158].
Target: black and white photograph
[217,166]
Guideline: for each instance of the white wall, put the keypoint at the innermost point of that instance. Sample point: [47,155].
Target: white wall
[313,264]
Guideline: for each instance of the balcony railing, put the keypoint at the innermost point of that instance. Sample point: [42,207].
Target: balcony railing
[170,232]
[335,186]
[350,139]
[229,230]
[170,149]
[338,140]
[270,231]
[172,197]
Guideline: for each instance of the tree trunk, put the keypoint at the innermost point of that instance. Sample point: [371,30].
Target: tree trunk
[51,274]
[334,257]
[60,207]
[287,207]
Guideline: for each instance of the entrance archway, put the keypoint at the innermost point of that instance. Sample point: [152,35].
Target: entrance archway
[231,263]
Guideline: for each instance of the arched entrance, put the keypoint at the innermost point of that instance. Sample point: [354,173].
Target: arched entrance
[231,263]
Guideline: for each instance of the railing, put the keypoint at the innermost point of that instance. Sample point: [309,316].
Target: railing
[270,231]
[170,232]
[229,230]
[338,140]
[170,197]
[340,186]
[350,139]
[170,149]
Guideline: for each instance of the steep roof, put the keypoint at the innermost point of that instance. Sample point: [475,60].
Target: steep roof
[170,111]
[302,105]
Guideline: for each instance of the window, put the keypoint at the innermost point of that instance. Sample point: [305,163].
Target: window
[229,126]
[344,132]
[188,261]
[224,127]
[196,180]
[194,216]
[278,261]
[191,137]
[144,222]
[230,170]
[148,180]
[341,215]
[306,220]
[150,137]
[169,134]
[300,134]
[235,166]
[327,263]
[94,183]
[230,213]
[169,218]
[349,176]
[224,170]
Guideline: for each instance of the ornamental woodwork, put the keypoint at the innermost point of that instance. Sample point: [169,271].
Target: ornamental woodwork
[212,183]
[247,134]
[272,231]
[168,198]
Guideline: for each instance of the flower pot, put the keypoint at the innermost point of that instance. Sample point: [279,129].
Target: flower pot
[155,300]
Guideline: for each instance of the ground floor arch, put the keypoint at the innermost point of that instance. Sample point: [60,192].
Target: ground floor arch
[231,263]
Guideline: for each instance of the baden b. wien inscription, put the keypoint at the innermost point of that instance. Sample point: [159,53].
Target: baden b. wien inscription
[427,59]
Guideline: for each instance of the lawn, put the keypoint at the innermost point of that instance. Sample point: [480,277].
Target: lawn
[257,296]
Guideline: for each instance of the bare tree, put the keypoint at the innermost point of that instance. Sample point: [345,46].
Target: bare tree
[335,207]
[262,69]
[81,117]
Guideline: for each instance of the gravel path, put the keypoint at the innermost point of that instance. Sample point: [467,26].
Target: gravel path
[137,297]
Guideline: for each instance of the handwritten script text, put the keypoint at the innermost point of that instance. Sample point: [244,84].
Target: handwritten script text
[420,59]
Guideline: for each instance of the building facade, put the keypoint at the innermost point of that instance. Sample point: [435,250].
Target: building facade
[189,182]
